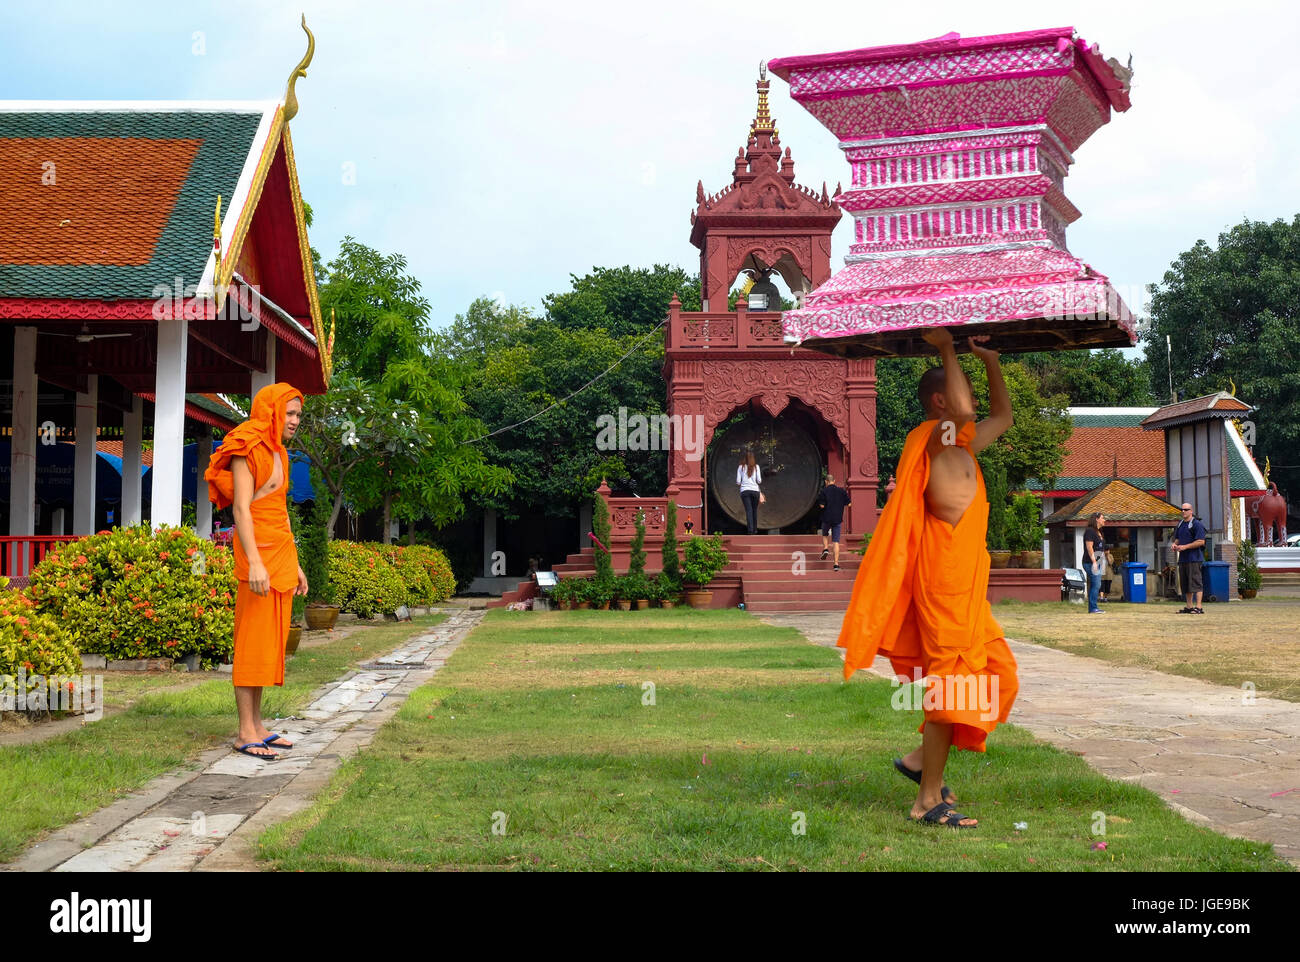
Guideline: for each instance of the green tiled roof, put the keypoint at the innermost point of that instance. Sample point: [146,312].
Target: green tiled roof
[185,242]
[1108,420]
[1087,484]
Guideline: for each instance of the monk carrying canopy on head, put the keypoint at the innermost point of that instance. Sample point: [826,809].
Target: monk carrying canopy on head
[920,596]
[250,472]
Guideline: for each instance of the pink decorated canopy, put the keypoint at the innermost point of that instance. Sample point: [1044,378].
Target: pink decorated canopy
[959,150]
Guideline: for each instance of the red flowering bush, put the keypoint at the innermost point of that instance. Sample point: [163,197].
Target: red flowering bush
[137,593]
[31,641]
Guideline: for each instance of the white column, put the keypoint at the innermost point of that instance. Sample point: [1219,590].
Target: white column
[86,459]
[56,522]
[169,421]
[202,506]
[1046,506]
[489,540]
[22,446]
[132,446]
[1146,549]
[1078,547]
[262,379]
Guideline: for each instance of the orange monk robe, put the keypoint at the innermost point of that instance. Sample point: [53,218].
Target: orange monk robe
[261,621]
[921,599]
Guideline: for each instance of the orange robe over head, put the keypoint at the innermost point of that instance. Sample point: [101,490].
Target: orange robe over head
[261,621]
[921,599]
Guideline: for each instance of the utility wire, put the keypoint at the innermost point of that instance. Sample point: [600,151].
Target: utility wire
[510,427]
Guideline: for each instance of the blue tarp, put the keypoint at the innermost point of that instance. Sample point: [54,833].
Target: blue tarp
[55,466]
[299,476]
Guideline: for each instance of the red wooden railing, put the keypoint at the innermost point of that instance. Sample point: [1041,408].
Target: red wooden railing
[19,554]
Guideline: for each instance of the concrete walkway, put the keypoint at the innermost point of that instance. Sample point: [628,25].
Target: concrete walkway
[209,819]
[1222,757]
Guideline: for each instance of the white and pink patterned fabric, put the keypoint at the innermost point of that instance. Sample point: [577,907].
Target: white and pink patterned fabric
[959,150]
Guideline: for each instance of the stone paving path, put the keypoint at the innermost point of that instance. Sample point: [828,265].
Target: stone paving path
[210,819]
[1219,756]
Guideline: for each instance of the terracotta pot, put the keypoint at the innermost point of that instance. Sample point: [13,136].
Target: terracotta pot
[667,604]
[321,616]
[604,606]
[999,559]
[291,643]
[698,598]
[625,604]
[584,605]
[642,604]
[566,605]
[1031,559]
[1248,592]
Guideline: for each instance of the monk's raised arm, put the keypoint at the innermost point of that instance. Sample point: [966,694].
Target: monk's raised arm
[960,404]
[1000,417]
[258,580]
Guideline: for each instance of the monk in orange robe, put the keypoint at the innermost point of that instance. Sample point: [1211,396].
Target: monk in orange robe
[250,471]
[920,596]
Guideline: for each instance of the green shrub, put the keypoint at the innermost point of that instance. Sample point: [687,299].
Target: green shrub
[1024,519]
[411,571]
[636,560]
[439,568]
[363,582]
[31,641]
[313,550]
[139,593]
[704,558]
[600,523]
[671,563]
[1248,574]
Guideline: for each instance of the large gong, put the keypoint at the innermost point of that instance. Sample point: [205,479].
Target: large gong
[790,462]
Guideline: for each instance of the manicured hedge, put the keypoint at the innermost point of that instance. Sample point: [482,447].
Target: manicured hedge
[141,593]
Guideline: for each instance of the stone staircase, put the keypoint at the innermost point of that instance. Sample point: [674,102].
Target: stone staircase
[765,566]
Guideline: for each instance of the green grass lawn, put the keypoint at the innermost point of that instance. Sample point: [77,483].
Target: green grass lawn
[48,784]
[538,728]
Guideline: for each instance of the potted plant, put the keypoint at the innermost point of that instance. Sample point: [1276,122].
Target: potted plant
[670,590]
[562,594]
[582,592]
[624,591]
[1025,530]
[314,557]
[603,592]
[1249,578]
[704,557]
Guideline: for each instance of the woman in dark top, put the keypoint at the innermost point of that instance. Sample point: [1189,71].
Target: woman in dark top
[1094,548]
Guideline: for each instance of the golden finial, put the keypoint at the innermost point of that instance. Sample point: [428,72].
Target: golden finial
[290,98]
[1267,466]
[216,231]
[1233,391]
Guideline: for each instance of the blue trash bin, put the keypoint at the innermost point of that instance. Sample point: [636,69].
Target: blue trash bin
[1216,580]
[1135,582]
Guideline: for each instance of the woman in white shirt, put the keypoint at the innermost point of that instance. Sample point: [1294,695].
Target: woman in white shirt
[749,476]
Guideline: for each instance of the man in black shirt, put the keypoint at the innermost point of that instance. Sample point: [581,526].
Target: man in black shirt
[833,500]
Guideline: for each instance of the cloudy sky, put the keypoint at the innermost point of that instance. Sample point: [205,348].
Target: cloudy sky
[501,146]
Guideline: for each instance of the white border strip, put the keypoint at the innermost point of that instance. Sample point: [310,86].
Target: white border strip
[137,106]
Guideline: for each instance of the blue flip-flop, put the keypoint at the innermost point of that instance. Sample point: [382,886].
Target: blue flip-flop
[244,749]
[272,737]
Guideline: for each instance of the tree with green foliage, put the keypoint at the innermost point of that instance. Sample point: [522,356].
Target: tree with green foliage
[1232,316]
[1103,378]
[380,314]
[622,300]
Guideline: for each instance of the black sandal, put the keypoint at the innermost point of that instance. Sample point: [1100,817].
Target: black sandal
[946,792]
[943,814]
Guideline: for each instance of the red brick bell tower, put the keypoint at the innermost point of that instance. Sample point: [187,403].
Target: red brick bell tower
[718,361]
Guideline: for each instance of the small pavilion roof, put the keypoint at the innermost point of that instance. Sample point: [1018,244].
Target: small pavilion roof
[1221,405]
[1121,503]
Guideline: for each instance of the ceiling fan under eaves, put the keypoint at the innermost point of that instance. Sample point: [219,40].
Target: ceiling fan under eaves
[84,336]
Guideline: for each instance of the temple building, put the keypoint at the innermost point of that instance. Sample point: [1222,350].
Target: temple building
[153,258]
